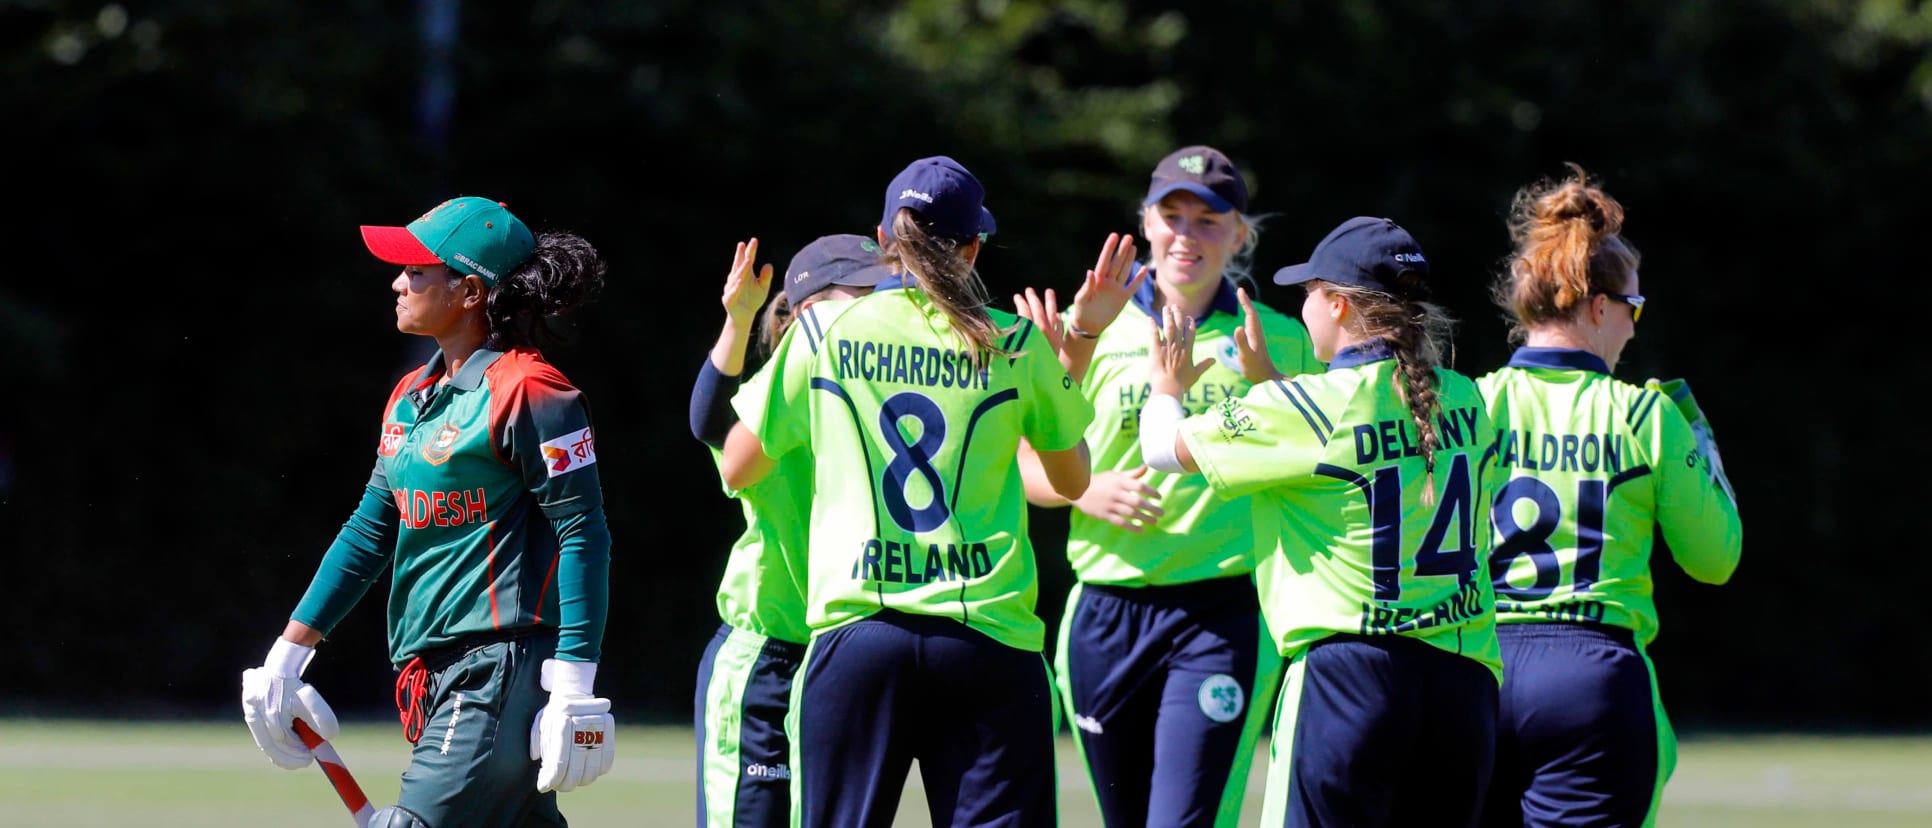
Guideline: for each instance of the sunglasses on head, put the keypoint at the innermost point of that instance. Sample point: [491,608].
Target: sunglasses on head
[1635,301]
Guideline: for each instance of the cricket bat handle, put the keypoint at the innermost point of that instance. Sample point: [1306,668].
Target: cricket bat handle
[331,763]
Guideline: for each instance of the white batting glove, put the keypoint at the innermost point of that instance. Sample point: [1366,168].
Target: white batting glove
[274,696]
[574,735]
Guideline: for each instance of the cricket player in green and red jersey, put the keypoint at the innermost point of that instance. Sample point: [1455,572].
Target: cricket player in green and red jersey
[925,644]
[1595,470]
[1371,505]
[485,505]
[1161,661]
[745,678]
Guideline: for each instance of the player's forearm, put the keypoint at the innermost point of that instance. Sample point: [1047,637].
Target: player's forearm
[583,584]
[297,632]
[728,353]
[1076,355]
[1068,472]
[1706,542]
[354,562]
[1033,480]
[711,413]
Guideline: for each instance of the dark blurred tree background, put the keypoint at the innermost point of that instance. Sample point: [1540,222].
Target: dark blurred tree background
[194,344]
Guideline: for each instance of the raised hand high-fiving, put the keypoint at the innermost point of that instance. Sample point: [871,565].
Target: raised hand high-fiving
[1044,314]
[1251,344]
[1107,287]
[1174,369]
[746,289]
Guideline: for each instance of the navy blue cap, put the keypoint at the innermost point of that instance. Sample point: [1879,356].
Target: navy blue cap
[1364,251]
[947,198]
[843,259]
[1203,171]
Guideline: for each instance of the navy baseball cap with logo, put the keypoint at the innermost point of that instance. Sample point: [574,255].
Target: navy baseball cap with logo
[1364,251]
[1203,171]
[474,236]
[843,259]
[948,199]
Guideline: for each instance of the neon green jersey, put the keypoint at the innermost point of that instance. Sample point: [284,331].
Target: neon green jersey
[1594,466]
[763,589]
[917,503]
[1347,544]
[1200,536]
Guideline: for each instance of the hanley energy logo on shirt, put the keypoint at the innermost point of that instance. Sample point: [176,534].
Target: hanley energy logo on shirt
[569,453]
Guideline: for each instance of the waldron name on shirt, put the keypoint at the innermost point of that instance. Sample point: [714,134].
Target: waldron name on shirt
[1560,452]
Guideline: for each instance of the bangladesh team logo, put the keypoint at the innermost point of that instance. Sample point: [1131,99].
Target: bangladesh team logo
[1221,698]
[437,452]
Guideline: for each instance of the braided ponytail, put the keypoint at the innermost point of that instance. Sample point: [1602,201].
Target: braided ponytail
[1417,330]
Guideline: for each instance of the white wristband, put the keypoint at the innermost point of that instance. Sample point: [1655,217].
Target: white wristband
[1160,421]
[287,658]
[568,678]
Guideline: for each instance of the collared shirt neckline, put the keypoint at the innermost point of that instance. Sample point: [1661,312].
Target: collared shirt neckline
[1224,299]
[1362,353]
[1568,359]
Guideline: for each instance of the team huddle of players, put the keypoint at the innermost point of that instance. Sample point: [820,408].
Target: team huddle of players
[1439,584]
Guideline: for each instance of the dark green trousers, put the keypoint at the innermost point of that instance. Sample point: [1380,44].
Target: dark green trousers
[472,766]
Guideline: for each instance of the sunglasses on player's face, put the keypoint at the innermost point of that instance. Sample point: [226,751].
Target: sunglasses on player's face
[1635,301]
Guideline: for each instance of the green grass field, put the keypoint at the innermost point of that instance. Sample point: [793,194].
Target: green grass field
[66,774]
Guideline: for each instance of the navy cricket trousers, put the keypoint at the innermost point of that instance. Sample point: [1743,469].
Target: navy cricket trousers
[877,694]
[1168,688]
[1383,730]
[1582,739]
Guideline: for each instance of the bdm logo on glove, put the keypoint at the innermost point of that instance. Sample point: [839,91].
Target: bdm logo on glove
[590,738]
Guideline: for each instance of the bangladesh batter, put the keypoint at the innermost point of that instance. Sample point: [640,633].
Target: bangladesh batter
[921,584]
[1371,494]
[485,506]
[1160,661]
[1596,470]
[744,685]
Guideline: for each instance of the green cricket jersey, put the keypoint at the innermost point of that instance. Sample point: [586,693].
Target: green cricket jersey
[1594,467]
[917,503]
[1200,536]
[763,589]
[494,506]
[1347,543]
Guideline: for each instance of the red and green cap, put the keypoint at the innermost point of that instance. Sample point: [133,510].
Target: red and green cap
[474,236]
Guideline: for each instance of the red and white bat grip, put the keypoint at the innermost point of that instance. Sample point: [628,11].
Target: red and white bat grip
[331,763]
